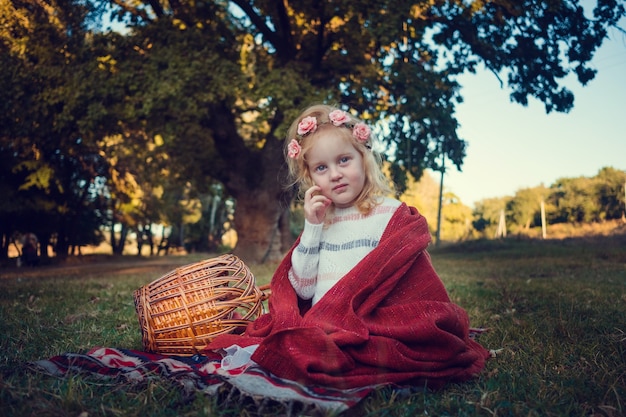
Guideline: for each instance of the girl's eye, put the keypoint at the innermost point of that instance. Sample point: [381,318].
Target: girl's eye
[320,168]
[344,159]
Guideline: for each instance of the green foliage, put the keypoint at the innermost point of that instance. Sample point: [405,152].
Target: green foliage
[610,193]
[568,200]
[215,219]
[423,195]
[594,199]
[456,219]
[197,92]
[523,210]
[574,198]
[51,165]
[455,216]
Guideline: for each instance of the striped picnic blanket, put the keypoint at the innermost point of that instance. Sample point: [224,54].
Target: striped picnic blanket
[204,374]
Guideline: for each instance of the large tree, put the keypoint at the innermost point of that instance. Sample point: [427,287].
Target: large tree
[219,81]
[244,69]
[70,161]
[49,163]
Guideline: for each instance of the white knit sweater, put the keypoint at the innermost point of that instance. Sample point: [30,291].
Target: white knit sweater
[327,252]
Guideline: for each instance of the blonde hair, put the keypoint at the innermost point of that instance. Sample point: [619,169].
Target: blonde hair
[376,184]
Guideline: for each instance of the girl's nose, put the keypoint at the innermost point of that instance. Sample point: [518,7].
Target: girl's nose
[335,174]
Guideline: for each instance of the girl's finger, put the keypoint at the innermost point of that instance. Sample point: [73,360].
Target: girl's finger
[310,192]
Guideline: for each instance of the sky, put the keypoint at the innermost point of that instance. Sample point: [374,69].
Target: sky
[512,147]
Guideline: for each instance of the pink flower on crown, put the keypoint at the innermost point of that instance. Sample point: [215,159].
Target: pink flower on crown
[361,132]
[293,149]
[338,117]
[307,125]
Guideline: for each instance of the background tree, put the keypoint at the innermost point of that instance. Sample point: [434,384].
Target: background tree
[213,221]
[42,138]
[456,219]
[611,194]
[423,195]
[220,80]
[487,214]
[391,61]
[524,209]
[575,200]
[589,199]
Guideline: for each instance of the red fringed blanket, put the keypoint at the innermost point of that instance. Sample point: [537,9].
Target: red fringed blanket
[389,320]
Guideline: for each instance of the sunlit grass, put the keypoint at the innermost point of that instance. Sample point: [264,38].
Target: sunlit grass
[555,311]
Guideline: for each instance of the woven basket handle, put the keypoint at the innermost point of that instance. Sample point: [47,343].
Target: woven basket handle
[265,291]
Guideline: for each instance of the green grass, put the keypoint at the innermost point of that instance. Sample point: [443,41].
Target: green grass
[555,309]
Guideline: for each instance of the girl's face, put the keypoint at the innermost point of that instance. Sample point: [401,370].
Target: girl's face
[336,167]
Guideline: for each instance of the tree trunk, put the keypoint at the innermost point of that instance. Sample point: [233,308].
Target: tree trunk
[61,248]
[262,214]
[119,244]
[257,215]
[113,238]
[5,241]
[44,243]
[253,178]
[286,240]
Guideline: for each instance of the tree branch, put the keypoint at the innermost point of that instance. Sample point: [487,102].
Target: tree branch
[157,8]
[287,51]
[177,8]
[256,20]
[132,10]
[282,42]
[320,47]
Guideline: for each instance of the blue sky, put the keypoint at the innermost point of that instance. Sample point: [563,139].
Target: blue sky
[511,147]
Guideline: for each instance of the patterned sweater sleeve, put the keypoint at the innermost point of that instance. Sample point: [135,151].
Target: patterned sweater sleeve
[305,260]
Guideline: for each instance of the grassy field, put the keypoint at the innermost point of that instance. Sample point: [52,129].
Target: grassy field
[556,312]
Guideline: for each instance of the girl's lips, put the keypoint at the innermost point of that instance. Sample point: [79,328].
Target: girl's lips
[339,187]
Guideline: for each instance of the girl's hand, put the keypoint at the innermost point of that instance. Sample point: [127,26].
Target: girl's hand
[315,205]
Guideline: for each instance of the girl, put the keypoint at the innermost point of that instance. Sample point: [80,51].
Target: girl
[356,301]
[344,204]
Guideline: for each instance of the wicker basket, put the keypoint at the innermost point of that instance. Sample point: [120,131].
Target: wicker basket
[183,310]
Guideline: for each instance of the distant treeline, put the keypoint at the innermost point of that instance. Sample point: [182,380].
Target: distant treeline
[204,219]
[575,201]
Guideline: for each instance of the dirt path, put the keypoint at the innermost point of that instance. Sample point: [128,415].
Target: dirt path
[94,266]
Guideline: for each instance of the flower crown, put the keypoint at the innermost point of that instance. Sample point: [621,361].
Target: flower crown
[307,125]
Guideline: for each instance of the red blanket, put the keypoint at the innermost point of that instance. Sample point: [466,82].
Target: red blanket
[389,320]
